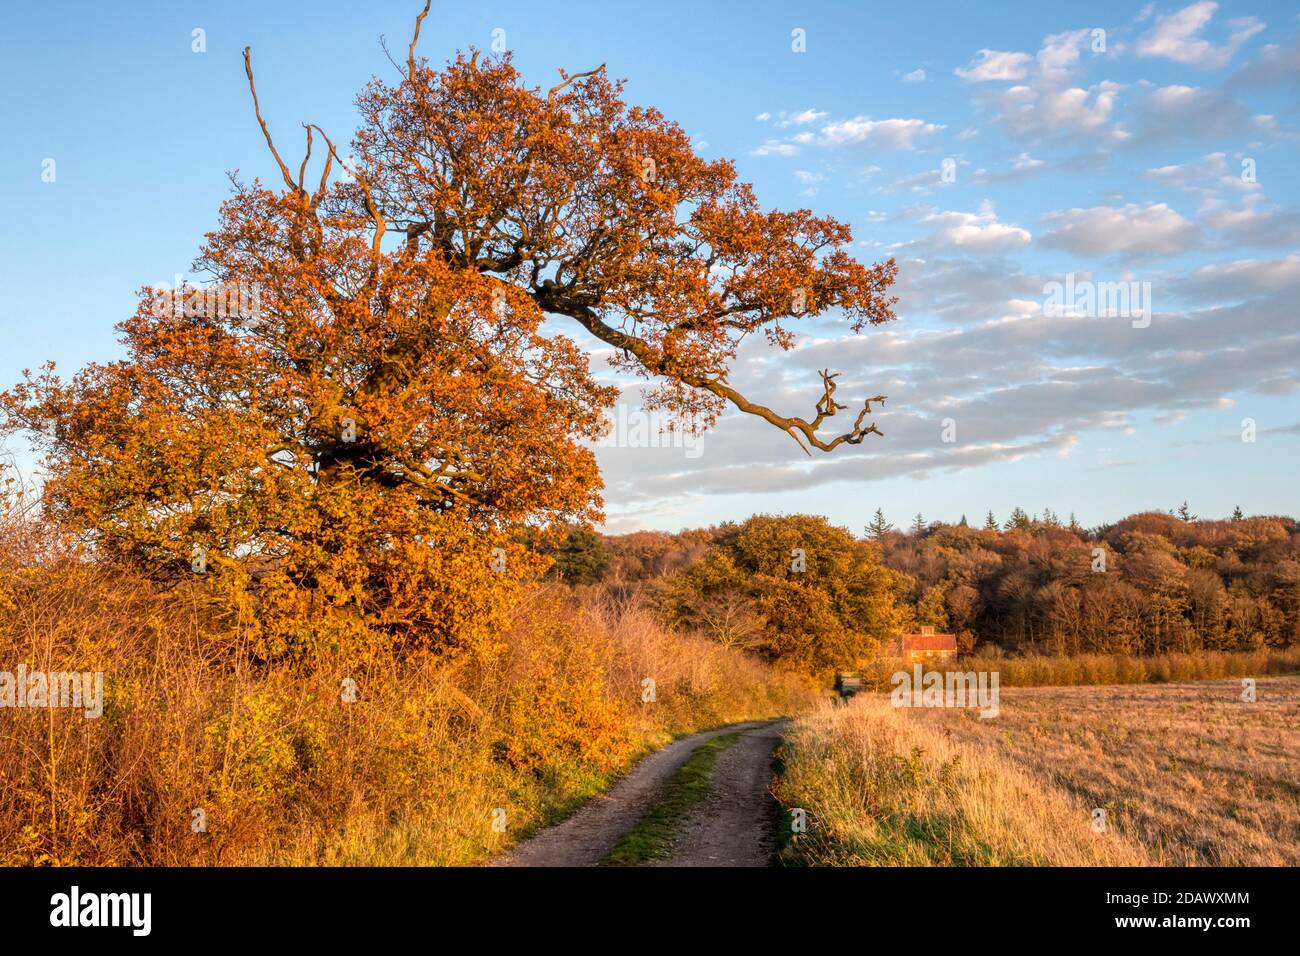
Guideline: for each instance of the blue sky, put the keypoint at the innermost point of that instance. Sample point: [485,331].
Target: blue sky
[1115,158]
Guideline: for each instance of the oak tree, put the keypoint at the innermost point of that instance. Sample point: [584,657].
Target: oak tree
[363,454]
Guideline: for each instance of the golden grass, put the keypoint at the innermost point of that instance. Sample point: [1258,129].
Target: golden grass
[1190,770]
[883,789]
[286,771]
[1106,669]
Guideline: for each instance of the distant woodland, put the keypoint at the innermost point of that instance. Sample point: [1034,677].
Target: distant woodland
[1152,583]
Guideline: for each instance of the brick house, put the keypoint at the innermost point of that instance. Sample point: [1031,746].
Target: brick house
[926,646]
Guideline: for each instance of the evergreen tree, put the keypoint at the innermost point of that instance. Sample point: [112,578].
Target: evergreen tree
[1074,524]
[918,524]
[581,558]
[1185,513]
[1236,513]
[879,527]
[962,522]
[990,523]
[1019,519]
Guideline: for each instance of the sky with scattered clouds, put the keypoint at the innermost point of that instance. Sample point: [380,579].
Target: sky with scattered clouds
[1139,160]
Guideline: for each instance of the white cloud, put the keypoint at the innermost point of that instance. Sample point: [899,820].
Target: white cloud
[916,76]
[1248,275]
[1024,162]
[1022,167]
[991,65]
[1033,111]
[1248,225]
[763,117]
[1059,56]
[1176,112]
[1047,104]
[1176,36]
[774,147]
[1209,177]
[1153,229]
[801,118]
[977,233]
[887,133]
[1274,65]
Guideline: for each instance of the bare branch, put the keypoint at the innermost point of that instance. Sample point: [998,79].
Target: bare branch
[569,79]
[410,56]
[372,209]
[302,170]
[324,179]
[257,110]
[826,407]
[552,300]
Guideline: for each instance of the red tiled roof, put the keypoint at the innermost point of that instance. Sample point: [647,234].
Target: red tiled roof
[929,642]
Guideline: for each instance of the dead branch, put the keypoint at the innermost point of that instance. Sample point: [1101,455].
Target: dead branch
[257,111]
[410,55]
[569,79]
[551,300]
[372,209]
[302,170]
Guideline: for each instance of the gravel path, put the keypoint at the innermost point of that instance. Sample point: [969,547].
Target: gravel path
[740,796]
[735,825]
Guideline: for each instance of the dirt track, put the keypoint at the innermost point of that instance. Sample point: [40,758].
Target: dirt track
[734,826]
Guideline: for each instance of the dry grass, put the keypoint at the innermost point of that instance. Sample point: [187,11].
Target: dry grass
[883,789]
[1190,770]
[1106,669]
[283,768]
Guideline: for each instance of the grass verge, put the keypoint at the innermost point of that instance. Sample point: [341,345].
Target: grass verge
[652,838]
[879,788]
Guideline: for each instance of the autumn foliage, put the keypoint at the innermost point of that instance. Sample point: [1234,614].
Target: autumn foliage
[362,459]
[795,589]
[408,768]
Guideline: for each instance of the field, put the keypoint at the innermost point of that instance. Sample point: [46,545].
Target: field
[1190,770]
[1188,774]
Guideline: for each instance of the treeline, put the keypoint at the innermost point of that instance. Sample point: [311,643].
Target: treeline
[1152,583]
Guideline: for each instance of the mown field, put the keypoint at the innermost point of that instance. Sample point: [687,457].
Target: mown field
[1187,773]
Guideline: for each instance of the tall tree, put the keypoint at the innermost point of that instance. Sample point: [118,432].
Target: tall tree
[822,598]
[918,525]
[990,522]
[879,527]
[374,438]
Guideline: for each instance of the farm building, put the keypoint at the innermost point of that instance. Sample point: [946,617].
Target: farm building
[926,646]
